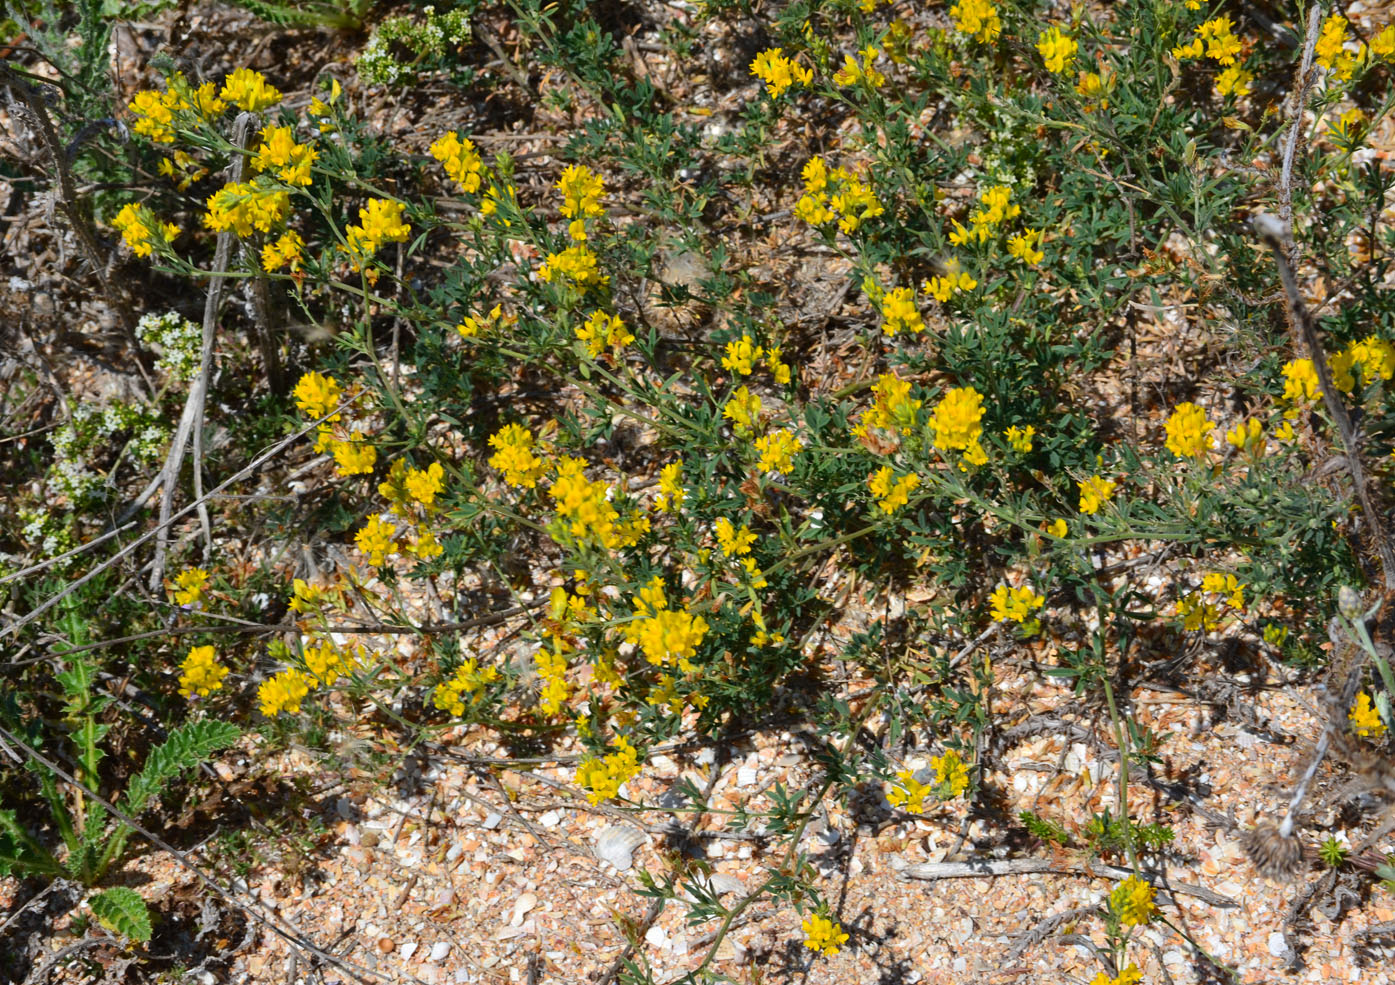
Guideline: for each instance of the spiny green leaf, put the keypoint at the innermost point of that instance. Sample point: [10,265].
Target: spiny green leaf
[122,911]
[187,746]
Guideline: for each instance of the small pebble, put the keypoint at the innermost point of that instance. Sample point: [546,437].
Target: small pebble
[438,951]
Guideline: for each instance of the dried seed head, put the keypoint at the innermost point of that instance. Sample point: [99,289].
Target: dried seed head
[1273,854]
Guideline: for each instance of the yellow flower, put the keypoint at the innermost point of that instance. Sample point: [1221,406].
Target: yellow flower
[576,264]
[377,539]
[1198,614]
[1248,436]
[202,101]
[854,71]
[1383,44]
[189,586]
[460,159]
[472,327]
[909,794]
[1365,720]
[1015,604]
[743,410]
[201,673]
[1188,431]
[777,451]
[1057,49]
[249,90]
[893,409]
[326,664]
[1023,246]
[514,456]
[956,422]
[733,541]
[1331,41]
[823,934]
[779,370]
[1058,528]
[1020,439]
[1227,585]
[668,636]
[284,692]
[469,680]
[778,72]
[602,331]
[241,207]
[305,597]
[355,456]
[741,355]
[380,222]
[604,777]
[143,232]
[581,190]
[317,395]
[1132,902]
[1095,492]
[977,18]
[423,484]
[671,493]
[951,774]
[1221,43]
[1095,88]
[1234,81]
[892,495]
[280,151]
[286,251]
[1300,380]
[899,309]
[154,111]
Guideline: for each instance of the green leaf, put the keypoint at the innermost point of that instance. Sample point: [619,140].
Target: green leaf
[122,911]
[188,746]
[19,852]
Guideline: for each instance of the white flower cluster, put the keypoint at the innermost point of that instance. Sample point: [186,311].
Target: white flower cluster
[377,65]
[176,340]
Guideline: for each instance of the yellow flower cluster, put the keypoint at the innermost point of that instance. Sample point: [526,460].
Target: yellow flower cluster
[1129,976]
[189,586]
[471,327]
[1365,719]
[743,355]
[671,492]
[142,232]
[317,395]
[892,409]
[552,670]
[1216,40]
[460,159]
[860,69]
[1095,492]
[1020,439]
[241,207]
[326,663]
[900,312]
[291,160]
[201,673]
[977,18]
[1189,431]
[603,778]
[284,692]
[951,775]
[576,264]
[249,90]
[305,597]
[581,190]
[380,221]
[1203,610]
[406,486]
[584,510]
[1247,436]
[354,456]
[957,424]
[1132,902]
[469,680]
[1331,51]
[155,111]
[909,794]
[665,636]
[944,286]
[1095,87]
[377,538]
[1023,246]
[823,935]
[777,451]
[1057,49]
[734,541]
[743,410]
[892,493]
[514,456]
[286,251]
[778,72]
[996,208]
[602,331]
[1016,605]
[837,194]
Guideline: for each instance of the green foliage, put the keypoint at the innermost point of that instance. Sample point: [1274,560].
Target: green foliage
[1333,852]
[1040,827]
[122,911]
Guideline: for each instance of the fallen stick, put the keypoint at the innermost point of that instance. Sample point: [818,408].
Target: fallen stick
[1022,866]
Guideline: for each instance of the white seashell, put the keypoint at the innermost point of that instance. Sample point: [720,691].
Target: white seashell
[725,882]
[617,844]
